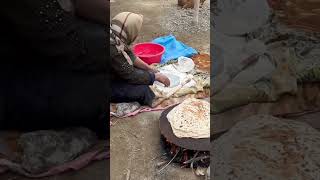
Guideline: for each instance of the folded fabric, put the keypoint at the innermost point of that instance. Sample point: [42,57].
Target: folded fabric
[198,82]
[44,149]
[47,152]
[174,48]
[306,101]
[96,154]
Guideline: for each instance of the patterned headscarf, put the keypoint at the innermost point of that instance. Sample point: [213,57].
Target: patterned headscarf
[124,30]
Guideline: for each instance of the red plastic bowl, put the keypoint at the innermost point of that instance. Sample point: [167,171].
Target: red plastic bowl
[149,52]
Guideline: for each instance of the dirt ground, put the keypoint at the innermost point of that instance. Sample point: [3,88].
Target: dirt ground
[153,11]
[135,141]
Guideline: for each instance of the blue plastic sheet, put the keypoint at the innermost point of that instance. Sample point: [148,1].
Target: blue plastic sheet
[174,48]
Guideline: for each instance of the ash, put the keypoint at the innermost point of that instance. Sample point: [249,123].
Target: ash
[177,20]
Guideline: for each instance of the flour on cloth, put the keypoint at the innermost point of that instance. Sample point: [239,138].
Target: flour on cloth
[197,83]
[191,119]
[170,69]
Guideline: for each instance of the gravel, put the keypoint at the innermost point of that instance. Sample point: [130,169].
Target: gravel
[177,20]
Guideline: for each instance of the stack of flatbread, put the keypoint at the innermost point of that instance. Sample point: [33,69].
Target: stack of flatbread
[191,119]
[202,62]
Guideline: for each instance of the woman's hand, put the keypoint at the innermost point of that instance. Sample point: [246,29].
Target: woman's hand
[152,69]
[162,78]
[138,63]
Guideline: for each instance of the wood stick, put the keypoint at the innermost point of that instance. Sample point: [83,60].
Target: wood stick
[194,156]
[128,175]
[169,161]
[196,159]
[196,11]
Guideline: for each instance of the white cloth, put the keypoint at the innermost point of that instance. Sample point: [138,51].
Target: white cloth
[170,69]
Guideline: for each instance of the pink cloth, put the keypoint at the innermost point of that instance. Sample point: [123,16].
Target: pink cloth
[164,105]
[141,110]
[79,163]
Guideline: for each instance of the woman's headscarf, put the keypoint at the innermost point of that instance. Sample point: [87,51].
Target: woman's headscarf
[124,30]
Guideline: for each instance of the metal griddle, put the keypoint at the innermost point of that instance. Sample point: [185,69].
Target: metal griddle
[188,143]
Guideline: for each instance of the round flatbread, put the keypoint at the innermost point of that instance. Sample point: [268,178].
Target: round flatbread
[265,147]
[191,119]
[202,62]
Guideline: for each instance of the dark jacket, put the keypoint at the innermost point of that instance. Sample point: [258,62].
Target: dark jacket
[54,68]
[121,70]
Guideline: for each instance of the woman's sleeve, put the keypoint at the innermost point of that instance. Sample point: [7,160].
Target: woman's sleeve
[132,56]
[127,72]
[57,36]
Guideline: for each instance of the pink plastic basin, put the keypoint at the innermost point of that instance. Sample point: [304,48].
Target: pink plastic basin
[149,52]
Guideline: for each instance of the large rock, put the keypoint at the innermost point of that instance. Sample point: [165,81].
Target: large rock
[267,148]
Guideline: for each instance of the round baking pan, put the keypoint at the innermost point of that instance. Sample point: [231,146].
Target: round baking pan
[202,144]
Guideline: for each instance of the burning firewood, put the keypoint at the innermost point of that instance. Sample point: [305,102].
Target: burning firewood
[186,157]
